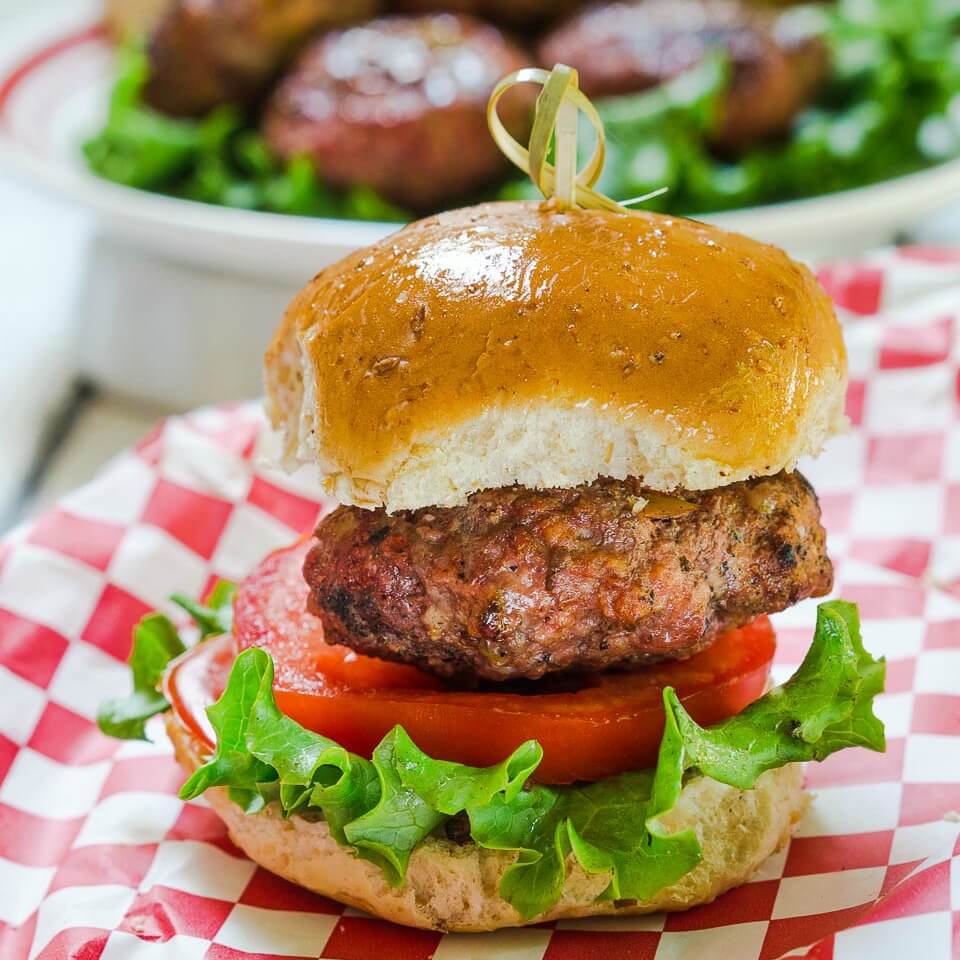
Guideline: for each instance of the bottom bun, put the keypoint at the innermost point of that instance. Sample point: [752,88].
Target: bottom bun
[452,886]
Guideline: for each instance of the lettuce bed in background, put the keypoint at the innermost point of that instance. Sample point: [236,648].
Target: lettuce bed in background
[219,159]
[890,107]
[385,806]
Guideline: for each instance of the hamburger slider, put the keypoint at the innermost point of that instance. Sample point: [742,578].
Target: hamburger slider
[519,671]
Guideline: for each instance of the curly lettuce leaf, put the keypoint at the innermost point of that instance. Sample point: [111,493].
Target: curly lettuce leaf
[233,764]
[534,826]
[310,769]
[385,807]
[824,707]
[612,826]
[215,617]
[155,643]
[418,793]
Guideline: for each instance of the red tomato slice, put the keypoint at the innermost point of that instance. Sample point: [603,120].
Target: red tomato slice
[590,728]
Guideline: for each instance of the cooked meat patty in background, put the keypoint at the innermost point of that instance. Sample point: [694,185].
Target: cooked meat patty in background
[513,13]
[625,47]
[207,52]
[520,582]
[399,104]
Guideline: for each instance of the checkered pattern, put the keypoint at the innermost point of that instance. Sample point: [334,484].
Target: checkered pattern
[99,860]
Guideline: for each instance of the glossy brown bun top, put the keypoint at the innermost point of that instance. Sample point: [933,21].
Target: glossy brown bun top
[511,343]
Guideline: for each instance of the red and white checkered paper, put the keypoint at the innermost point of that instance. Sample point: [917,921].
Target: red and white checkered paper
[99,860]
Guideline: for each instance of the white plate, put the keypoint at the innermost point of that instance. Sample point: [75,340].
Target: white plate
[53,89]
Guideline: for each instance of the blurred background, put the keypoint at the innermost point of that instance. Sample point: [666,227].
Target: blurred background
[172,171]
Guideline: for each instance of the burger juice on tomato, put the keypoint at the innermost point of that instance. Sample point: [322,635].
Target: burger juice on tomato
[519,670]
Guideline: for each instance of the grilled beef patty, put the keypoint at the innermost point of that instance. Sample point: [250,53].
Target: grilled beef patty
[399,104]
[519,583]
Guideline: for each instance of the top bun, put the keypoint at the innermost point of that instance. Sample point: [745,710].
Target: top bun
[513,343]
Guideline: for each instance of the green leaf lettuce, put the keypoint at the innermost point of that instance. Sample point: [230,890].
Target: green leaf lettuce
[155,643]
[386,806]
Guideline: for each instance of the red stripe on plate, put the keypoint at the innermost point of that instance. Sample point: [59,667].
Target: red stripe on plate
[8,86]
